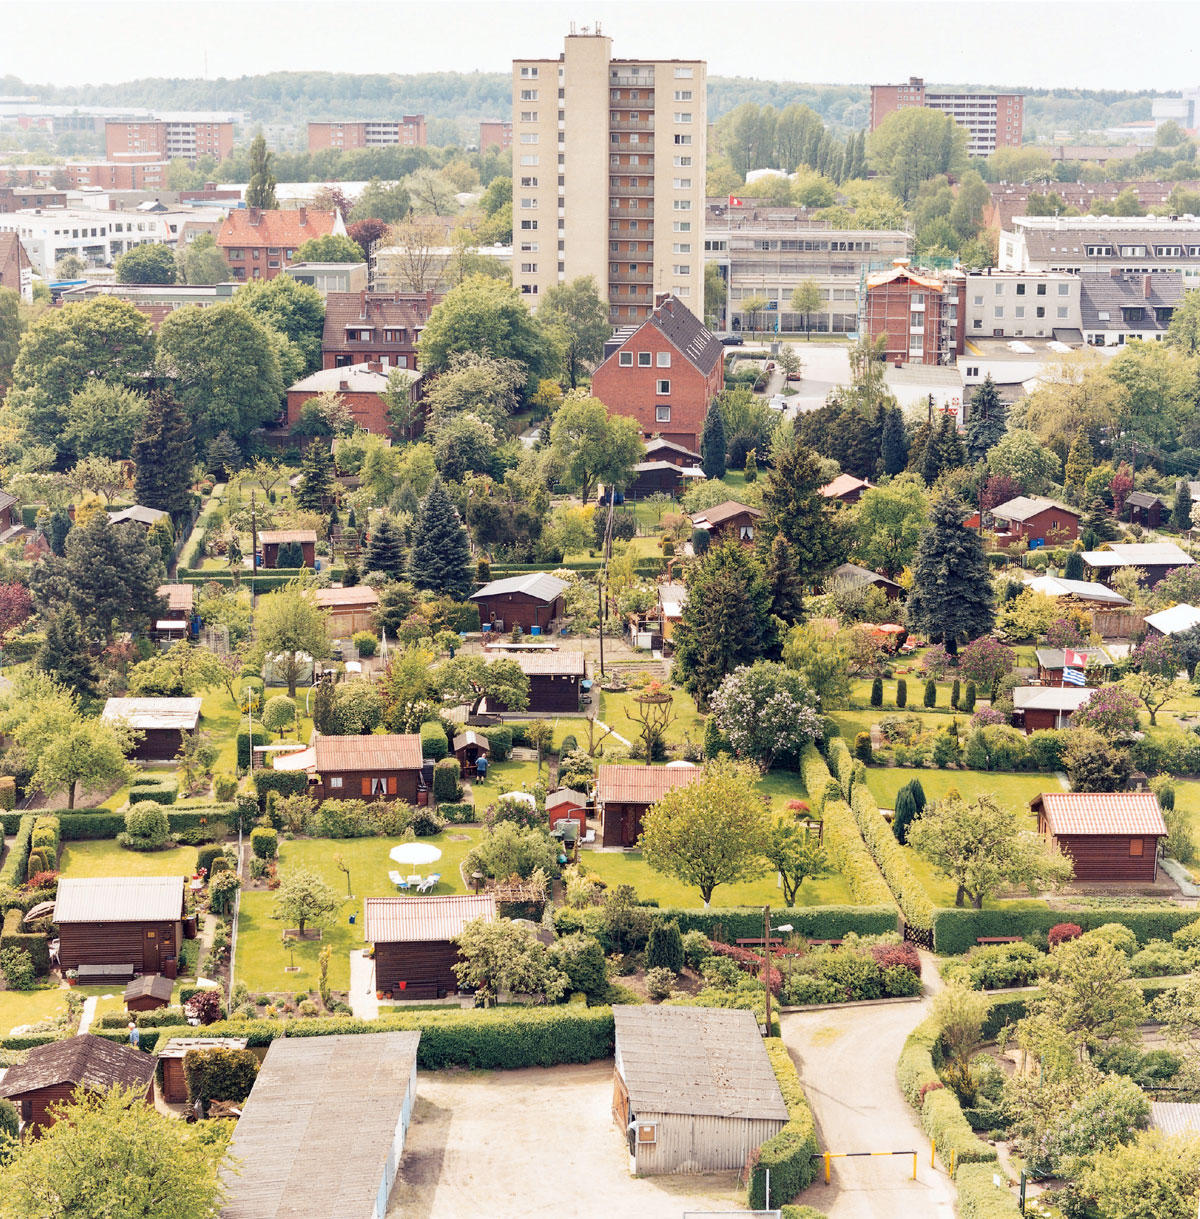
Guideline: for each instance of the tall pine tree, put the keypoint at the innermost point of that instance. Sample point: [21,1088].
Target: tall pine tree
[988,420]
[1181,509]
[951,599]
[943,451]
[163,454]
[712,443]
[894,443]
[385,550]
[65,655]
[787,589]
[1099,523]
[794,507]
[260,191]
[441,557]
[316,476]
[1080,460]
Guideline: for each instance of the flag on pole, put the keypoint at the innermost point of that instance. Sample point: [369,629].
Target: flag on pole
[734,201]
[1074,677]
[1074,660]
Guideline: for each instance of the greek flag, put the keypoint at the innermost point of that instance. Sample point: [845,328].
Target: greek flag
[1074,677]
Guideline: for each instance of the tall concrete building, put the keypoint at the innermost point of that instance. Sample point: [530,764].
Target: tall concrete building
[992,120]
[408,131]
[608,175]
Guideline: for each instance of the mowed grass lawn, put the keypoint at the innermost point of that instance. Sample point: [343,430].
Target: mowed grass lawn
[1014,790]
[20,1007]
[107,858]
[261,957]
[688,723]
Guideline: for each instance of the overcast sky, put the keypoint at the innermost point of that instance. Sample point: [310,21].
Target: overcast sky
[1136,44]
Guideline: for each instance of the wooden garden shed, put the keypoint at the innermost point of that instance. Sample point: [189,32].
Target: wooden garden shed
[554,682]
[529,601]
[1037,707]
[371,767]
[566,804]
[323,1131]
[171,1055]
[161,721]
[1146,509]
[349,609]
[148,992]
[468,747]
[414,939]
[272,539]
[693,1088]
[624,793]
[51,1073]
[135,922]
[1052,661]
[1109,836]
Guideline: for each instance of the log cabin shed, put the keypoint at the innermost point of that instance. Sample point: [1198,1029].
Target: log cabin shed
[1110,836]
[133,921]
[858,577]
[148,992]
[272,539]
[624,793]
[555,682]
[373,767]
[727,520]
[1037,707]
[1052,661]
[161,721]
[1145,509]
[1153,559]
[693,1088]
[322,1133]
[1036,520]
[847,489]
[528,601]
[349,609]
[414,939]
[468,746]
[51,1073]
[171,1055]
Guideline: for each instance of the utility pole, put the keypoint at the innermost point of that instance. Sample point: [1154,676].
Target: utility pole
[253,547]
[600,589]
[767,962]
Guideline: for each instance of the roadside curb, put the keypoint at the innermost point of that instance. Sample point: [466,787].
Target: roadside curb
[833,1007]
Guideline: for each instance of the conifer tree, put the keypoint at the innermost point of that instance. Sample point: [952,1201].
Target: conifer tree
[350,574]
[260,192]
[325,717]
[751,468]
[988,420]
[65,655]
[1099,523]
[163,453]
[712,443]
[1080,461]
[794,507]
[316,476]
[894,444]
[951,599]
[1073,569]
[1181,510]
[787,589]
[441,557]
[222,455]
[904,813]
[385,550]
[944,450]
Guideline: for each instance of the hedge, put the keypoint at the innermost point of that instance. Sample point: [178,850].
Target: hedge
[501,1038]
[814,922]
[433,741]
[978,1197]
[14,873]
[34,943]
[955,930]
[457,813]
[104,823]
[790,1156]
[162,789]
[890,857]
[1008,1009]
[500,738]
[285,782]
[245,740]
[265,579]
[841,762]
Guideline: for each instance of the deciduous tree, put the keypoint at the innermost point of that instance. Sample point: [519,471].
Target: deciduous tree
[291,625]
[295,310]
[468,680]
[260,192]
[766,712]
[146,264]
[796,854]
[594,446]
[304,900]
[576,311]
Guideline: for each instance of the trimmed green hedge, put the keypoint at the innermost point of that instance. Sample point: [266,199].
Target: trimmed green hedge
[814,922]
[500,738]
[162,789]
[285,782]
[956,930]
[790,1156]
[889,856]
[245,740]
[434,744]
[104,823]
[457,814]
[14,873]
[34,943]
[978,1197]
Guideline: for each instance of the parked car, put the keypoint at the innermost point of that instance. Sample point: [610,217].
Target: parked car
[778,402]
[733,340]
[795,376]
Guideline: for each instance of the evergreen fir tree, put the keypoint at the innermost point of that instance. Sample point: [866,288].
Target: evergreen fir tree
[951,599]
[712,443]
[968,698]
[955,694]
[930,693]
[918,795]
[894,444]
[385,550]
[57,528]
[1181,510]
[163,454]
[1099,523]
[905,812]
[901,694]
[988,420]
[65,655]
[946,443]
[1073,569]
[664,949]
[794,506]
[325,717]
[260,192]
[222,455]
[350,574]
[787,589]
[316,476]
[1080,461]
[441,557]
[877,692]
[483,571]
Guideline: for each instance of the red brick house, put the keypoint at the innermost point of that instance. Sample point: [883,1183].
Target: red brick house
[1110,836]
[258,244]
[1037,520]
[363,327]
[729,519]
[16,271]
[922,314]
[360,387]
[663,373]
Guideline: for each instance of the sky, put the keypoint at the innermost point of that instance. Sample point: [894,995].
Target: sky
[1088,44]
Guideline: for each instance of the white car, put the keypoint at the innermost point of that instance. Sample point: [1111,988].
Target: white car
[778,402]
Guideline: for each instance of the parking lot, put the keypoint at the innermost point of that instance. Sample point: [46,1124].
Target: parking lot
[536,1142]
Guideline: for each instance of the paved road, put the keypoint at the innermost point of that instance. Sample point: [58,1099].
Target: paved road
[847,1064]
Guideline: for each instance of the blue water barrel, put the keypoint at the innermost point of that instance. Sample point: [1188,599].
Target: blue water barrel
[535,630]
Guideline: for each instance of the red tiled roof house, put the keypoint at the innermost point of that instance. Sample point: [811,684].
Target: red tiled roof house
[1110,836]
[258,244]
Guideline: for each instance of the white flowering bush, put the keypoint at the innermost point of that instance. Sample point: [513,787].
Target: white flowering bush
[766,712]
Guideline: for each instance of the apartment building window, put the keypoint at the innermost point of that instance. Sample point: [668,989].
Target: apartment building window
[625,359]
[682,269]
[682,226]
[529,116]
[662,387]
[683,162]
[529,158]
[681,247]
[1041,310]
[529,247]
[529,268]
[529,204]
[529,224]
[1061,311]
[683,95]
[529,182]
[999,289]
[1168,251]
[683,73]
[999,311]
[529,137]
[645,358]
[916,319]
[682,205]
[1020,289]
[663,359]
[529,289]
[1064,289]
[683,139]
[683,116]
[1098,251]
[529,72]
[529,95]
[978,300]
[272,262]
[662,414]
[682,291]
[1019,311]
[1041,289]
[683,183]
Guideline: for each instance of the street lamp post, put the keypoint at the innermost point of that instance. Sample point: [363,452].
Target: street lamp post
[767,959]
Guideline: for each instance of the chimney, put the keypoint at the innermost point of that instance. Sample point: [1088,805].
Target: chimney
[344,387]
[661,299]
[374,366]
[362,305]
[303,215]
[255,216]
[1145,287]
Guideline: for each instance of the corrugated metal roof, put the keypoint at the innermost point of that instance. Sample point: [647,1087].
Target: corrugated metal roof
[178,596]
[150,986]
[1085,590]
[375,751]
[139,513]
[271,536]
[1101,812]
[565,795]
[1171,621]
[550,664]
[358,594]
[391,920]
[641,784]
[87,1059]
[657,442]
[860,575]
[154,712]
[315,1138]
[1173,1118]
[538,584]
[1138,554]
[1051,698]
[119,899]
[696,1060]
[177,1047]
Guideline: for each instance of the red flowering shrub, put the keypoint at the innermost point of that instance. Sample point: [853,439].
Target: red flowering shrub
[887,955]
[932,1086]
[42,880]
[205,1006]
[1061,932]
[751,962]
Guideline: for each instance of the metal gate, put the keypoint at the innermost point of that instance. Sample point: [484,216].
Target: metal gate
[922,937]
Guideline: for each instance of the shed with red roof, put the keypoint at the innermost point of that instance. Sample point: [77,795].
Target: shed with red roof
[1108,835]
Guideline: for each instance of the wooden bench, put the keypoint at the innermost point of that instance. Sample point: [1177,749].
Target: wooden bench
[835,943]
[105,973]
[998,939]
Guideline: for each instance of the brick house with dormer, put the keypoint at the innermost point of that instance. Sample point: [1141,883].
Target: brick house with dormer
[370,327]
[258,244]
[663,372]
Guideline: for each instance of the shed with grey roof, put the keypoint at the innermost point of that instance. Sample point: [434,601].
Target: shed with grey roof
[693,1088]
[128,924]
[323,1132]
[161,723]
[531,602]
[1152,559]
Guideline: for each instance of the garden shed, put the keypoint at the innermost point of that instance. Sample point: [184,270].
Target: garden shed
[372,767]
[1036,520]
[554,682]
[322,1133]
[1037,707]
[171,1055]
[566,804]
[51,1073]
[1145,509]
[529,601]
[467,747]
[135,922]
[856,577]
[1152,559]
[349,609]
[148,992]
[1172,621]
[729,520]
[1052,661]
[272,539]
[624,793]
[161,721]
[1110,836]
[693,1088]
[414,939]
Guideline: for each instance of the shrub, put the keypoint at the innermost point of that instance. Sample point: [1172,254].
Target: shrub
[904,956]
[992,966]
[8,793]
[366,642]
[205,1006]
[32,942]
[955,693]
[446,774]
[433,741]
[1159,959]
[426,822]
[15,870]
[500,739]
[581,958]
[790,1157]
[862,747]
[264,842]
[659,982]
[219,1073]
[877,692]
[17,967]
[225,788]
[245,741]
[931,693]
[955,930]
[665,948]
[454,813]
[146,827]
[968,699]
[696,948]
[223,887]
[1061,932]
[1047,748]
[285,782]
[901,694]
[891,860]
[205,857]
[1116,935]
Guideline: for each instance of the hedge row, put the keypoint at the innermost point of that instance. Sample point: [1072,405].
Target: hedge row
[956,930]
[893,862]
[265,579]
[14,873]
[813,922]
[840,836]
[285,782]
[790,1156]
[978,1197]
[504,1038]
[457,814]
[35,943]
[245,740]
[104,823]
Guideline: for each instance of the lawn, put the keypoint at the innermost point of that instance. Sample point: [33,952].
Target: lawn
[1015,790]
[18,1007]
[261,958]
[106,858]
[851,723]
[688,723]
[508,777]
[942,891]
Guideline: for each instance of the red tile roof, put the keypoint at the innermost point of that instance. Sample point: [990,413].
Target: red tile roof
[391,920]
[641,784]
[288,229]
[374,751]
[380,311]
[356,594]
[1132,813]
[845,484]
[269,537]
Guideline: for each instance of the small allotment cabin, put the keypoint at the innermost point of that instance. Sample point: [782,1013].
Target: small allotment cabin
[624,793]
[531,601]
[1037,707]
[161,721]
[1153,559]
[272,539]
[52,1072]
[1036,520]
[727,520]
[1110,836]
[857,576]
[555,681]
[1052,661]
[349,609]
[371,767]
[181,607]
[566,804]
[657,476]
[414,939]
[149,992]
[846,489]
[322,1133]
[131,921]
[468,747]
[1149,511]
[693,1088]
[1172,621]
[658,449]
[171,1055]
[1086,592]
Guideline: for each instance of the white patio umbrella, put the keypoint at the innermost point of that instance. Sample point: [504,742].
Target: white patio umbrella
[415,853]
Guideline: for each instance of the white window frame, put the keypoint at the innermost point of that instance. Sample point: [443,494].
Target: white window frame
[662,359]
[662,414]
[662,387]
[624,359]
[645,359]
